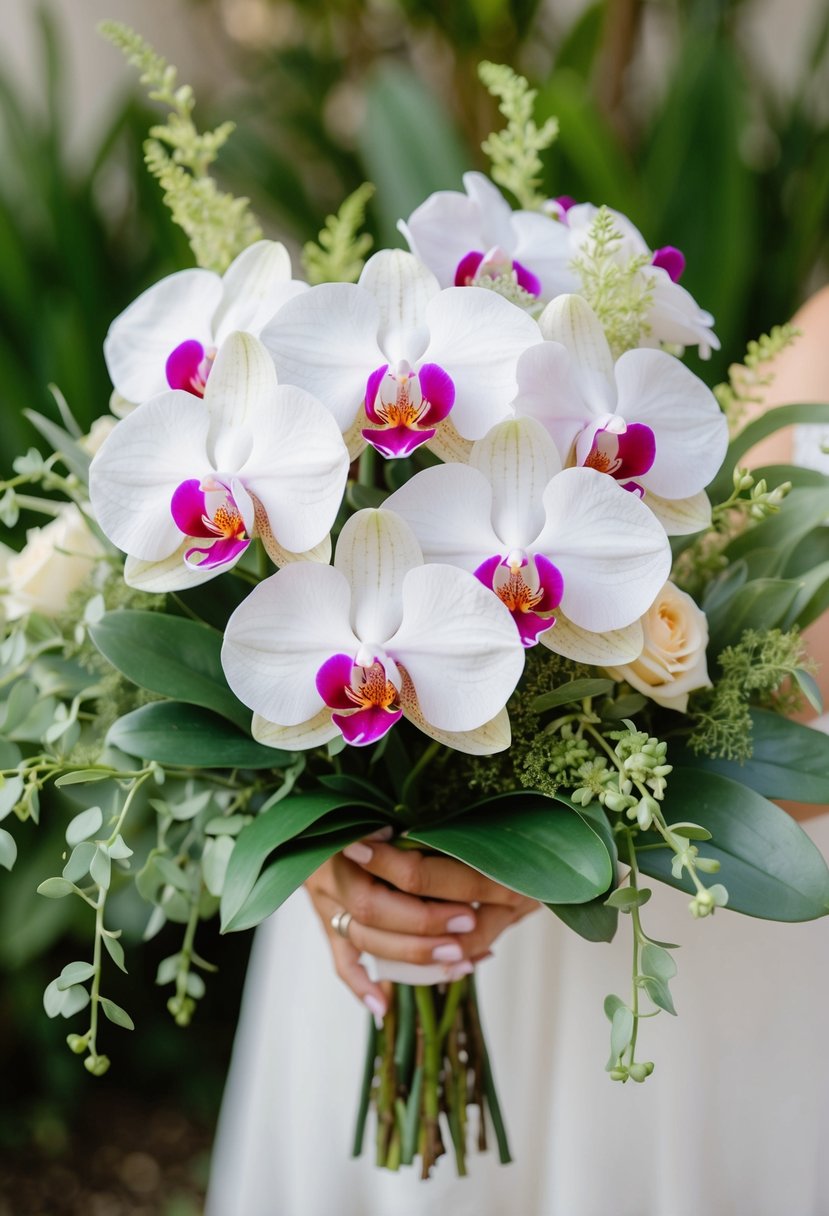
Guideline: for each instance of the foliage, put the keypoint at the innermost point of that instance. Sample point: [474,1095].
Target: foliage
[514,152]
[340,254]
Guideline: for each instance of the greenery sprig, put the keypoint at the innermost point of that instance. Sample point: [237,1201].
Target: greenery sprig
[515,151]
[748,380]
[617,289]
[338,255]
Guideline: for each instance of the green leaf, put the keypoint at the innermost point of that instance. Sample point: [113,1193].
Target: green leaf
[80,859]
[293,865]
[657,962]
[275,826]
[625,899]
[659,993]
[789,760]
[81,777]
[171,655]
[100,868]
[55,888]
[215,857]
[116,1014]
[75,973]
[168,969]
[769,865]
[810,689]
[183,735]
[84,825]
[760,428]
[760,604]
[801,512]
[691,831]
[8,849]
[593,921]
[621,1032]
[115,951]
[530,843]
[64,1001]
[574,690]
[76,459]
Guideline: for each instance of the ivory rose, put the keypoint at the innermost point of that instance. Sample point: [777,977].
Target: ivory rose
[55,561]
[672,663]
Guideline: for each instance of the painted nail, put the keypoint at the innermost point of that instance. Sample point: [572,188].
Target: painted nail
[385,833]
[358,852]
[460,924]
[460,969]
[374,1005]
[450,953]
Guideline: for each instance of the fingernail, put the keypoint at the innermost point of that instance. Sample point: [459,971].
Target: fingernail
[374,1005]
[460,924]
[460,969]
[385,833]
[450,953]
[358,852]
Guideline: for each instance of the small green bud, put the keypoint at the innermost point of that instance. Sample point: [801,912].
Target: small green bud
[743,480]
[639,1072]
[182,1009]
[77,1043]
[619,1074]
[708,865]
[97,1065]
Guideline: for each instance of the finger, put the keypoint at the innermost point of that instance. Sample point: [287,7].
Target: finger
[379,906]
[354,975]
[430,877]
[493,919]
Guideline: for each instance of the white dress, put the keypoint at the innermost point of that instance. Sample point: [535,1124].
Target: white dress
[734,1121]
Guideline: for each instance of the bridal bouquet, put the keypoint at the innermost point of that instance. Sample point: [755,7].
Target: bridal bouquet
[447,544]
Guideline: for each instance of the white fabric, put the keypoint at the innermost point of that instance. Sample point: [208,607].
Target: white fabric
[734,1121]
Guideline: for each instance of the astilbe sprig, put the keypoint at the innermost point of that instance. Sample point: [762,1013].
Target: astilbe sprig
[339,253]
[515,151]
[748,381]
[218,225]
[619,291]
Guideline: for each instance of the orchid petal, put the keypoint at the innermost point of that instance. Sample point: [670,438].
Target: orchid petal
[182,367]
[458,644]
[396,443]
[449,509]
[439,232]
[169,574]
[255,285]
[366,725]
[542,244]
[493,736]
[571,321]
[477,337]
[681,516]
[223,553]
[144,459]
[325,341]
[298,467]
[333,678]
[375,552]
[495,214]
[548,391]
[518,459]
[597,649]
[372,386]
[675,317]
[170,312]
[188,508]
[467,268]
[402,287]
[690,428]
[448,445]
[241,383]
[276,552]
[279,637]
[313,733]
[437,388]
[610,549]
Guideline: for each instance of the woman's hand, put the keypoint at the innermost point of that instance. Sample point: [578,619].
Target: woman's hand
[411,908]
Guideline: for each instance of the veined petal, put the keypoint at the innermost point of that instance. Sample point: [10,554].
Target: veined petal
[571,321]
[542,244]
[169,574]
[325,341]
[448,445]
[279,637]
[493,736]
[477,337]
[597,649]
[681,516]
[690,428]
[144,459]
[313,733]
[242,381]
[676,317]
[402,287]
[459,645]
[610,549]
[375,552]
[276,552]
[449,509]
[170,312]
[255,285]
[518,459]
[298,467]
[441,230]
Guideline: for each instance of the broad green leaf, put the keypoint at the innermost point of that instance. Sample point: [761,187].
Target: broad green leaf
[8,849]
[810,689]
[356,787]
[789,760]
[801,512]
[593,921]
[760,428]
[170,655]
[530,843]
[273,827]
[768,864]
[84,825]
[184,735]
[812,598]
[293,865]
[761,604]
[75,973]
[116,1014]
[574,690]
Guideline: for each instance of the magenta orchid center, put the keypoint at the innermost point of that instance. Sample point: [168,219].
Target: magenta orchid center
[475,266]
[623,450]
[670,259]
[189,365]
[366,700]
[529,585]
[208,510]
[404,406]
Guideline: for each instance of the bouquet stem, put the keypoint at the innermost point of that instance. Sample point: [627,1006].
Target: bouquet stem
[424,1068]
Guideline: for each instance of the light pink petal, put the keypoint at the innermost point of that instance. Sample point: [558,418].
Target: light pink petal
[325,341]
[449,509]
[170,312]
[144,459]
[477,337]
[690,428]
[279,637]
[375,552]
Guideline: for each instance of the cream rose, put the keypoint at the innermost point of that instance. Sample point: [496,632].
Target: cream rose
[54,562]
[672,663]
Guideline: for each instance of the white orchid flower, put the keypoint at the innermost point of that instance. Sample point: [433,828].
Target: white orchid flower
[540,537]
[407,350]
[646,420]
[456,234]
[318,651]
[169,336]
[183,484]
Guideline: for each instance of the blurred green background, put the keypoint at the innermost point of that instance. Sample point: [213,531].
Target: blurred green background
[705,121]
